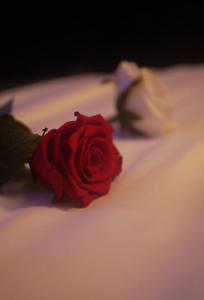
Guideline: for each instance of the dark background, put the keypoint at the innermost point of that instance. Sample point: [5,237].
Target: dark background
[156,35]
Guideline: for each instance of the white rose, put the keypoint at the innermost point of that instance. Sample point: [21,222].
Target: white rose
[148,99]
[126,73]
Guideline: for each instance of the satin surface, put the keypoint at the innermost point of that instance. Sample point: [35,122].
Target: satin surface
[144,240]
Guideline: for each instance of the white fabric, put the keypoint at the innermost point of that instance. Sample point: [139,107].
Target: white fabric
[144,240]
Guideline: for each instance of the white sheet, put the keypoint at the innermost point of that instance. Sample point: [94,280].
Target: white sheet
[144,240]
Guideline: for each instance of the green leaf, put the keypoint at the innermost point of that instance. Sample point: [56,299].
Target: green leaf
[17,144]
[6,108]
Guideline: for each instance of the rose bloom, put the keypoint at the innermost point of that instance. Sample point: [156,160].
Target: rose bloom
[78,159]
[148,98]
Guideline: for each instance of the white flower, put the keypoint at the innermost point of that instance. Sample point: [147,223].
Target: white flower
[148,98]
[126,74]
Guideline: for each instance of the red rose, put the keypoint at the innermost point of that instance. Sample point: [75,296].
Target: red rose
[79,159]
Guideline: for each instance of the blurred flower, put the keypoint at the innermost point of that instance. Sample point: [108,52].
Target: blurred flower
[143,104]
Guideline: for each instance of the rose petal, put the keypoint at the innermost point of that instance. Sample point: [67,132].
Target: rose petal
[118,163]
[92,131]
[94,120]
[94,192]
[41,166]
[53,146]
[126,73]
